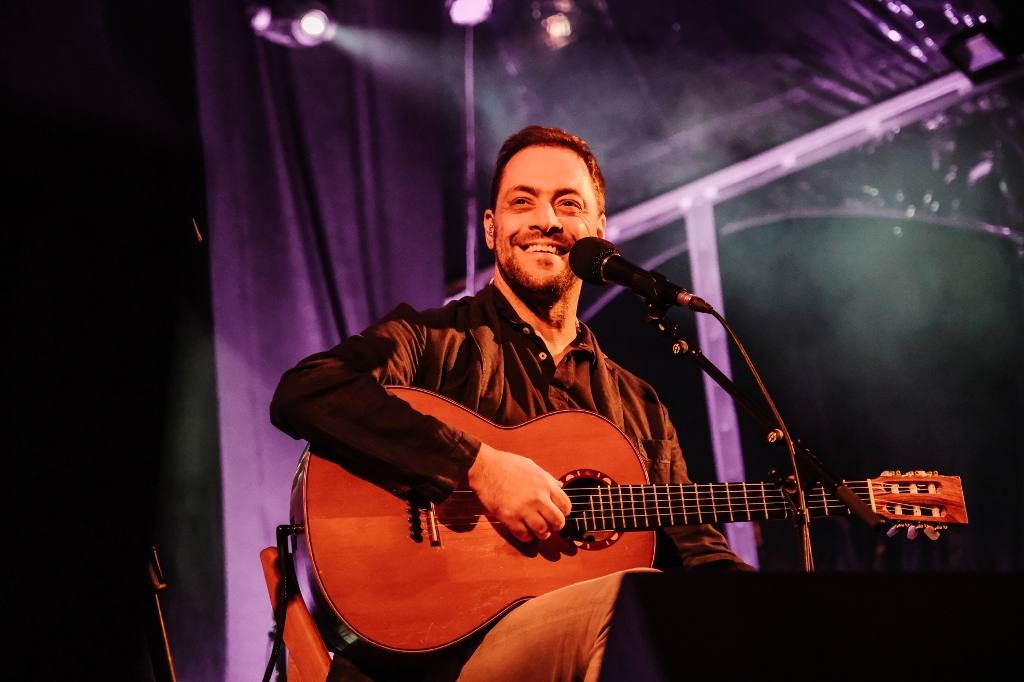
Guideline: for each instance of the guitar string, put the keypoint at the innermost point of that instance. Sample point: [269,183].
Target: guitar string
[665,500]
[623,509]
[625,525]
[670,496]
[485,521]
[625,518]
[673,503]
[625,522]
[674,489]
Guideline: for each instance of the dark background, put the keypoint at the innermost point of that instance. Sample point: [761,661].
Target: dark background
[884,350]
[110,409]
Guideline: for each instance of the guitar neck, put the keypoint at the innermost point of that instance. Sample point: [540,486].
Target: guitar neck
[646,507]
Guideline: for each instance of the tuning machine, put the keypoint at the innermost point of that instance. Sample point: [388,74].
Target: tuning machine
[930,531]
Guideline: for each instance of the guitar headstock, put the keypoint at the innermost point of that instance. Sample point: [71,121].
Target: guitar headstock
[918,499]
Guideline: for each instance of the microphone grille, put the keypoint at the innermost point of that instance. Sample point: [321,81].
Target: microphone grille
[586,257]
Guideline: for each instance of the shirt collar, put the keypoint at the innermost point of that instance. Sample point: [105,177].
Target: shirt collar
[583,343]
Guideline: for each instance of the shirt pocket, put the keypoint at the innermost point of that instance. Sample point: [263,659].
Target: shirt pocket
[657,458]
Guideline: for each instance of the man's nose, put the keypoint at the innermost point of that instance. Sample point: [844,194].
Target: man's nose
[547,220]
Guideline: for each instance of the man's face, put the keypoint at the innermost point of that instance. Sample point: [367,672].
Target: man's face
[546,201]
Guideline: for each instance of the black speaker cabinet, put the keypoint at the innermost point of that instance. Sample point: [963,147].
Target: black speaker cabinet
[839,626]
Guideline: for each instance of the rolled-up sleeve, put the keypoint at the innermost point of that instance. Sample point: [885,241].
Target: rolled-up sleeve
[337,401]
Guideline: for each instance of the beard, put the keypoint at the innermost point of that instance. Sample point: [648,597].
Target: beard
[531,288]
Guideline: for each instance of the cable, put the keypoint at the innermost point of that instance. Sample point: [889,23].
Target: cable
[801,502]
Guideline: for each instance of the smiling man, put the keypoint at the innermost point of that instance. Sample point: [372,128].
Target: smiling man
[513,352]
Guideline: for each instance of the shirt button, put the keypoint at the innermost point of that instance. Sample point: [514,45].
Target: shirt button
[543,355]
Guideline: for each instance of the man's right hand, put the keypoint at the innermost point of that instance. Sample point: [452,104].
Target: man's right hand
[518,493]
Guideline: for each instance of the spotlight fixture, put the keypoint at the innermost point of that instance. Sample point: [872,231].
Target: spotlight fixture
[557,31]
[307,27]
[470,12]
[558,20]
[980,53]
[313,27]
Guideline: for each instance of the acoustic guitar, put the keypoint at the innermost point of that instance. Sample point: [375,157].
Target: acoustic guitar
[391,575]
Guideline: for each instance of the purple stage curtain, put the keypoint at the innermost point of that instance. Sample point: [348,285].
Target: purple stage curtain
[325,211]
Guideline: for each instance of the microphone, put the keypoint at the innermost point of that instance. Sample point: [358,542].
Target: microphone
[598,261]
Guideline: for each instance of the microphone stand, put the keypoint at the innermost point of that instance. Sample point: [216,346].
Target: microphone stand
[807,468]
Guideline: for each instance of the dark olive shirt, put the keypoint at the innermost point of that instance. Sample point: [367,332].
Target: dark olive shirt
[478,352]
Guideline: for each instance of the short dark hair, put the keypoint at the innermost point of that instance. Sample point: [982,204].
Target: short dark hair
[539,136]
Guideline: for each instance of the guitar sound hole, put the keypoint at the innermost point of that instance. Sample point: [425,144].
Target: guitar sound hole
[581,526]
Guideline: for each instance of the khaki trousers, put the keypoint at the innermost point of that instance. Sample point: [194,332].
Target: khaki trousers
[557,637]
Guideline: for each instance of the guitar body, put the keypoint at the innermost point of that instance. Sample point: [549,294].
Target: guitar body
[377,589]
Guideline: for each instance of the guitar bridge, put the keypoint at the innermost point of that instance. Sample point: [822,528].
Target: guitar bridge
[417,506]
[432,527]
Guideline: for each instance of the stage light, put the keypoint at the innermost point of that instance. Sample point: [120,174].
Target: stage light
[261,19]
[470,12]
[557,31]
[306,29]
[313,28]
[313,24]
[979,53]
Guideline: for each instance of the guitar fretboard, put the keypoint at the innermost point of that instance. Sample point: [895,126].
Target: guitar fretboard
[646,507]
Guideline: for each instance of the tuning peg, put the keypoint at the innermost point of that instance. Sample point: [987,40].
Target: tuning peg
[892,531]
[911,532]
[931,533]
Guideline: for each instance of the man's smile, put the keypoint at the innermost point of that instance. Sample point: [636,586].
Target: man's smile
[554,249]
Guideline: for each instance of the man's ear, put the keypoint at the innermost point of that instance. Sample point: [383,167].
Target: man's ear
[489,228]
[600,227]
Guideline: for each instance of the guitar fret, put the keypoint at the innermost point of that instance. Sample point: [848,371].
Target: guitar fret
[614,508]
[764,501]
[606,510]
[633,510]
[621,510]
[622,507]
[728,501]
[643,506]
[625,495]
